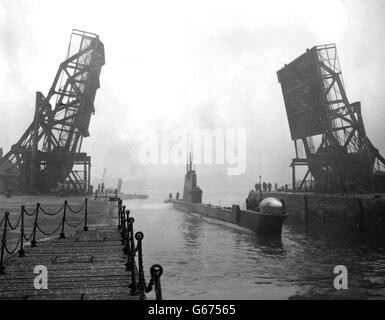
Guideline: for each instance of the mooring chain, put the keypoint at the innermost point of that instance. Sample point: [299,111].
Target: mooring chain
[76,211]
[74,225]
[5,223]
[17,224]
[52,214]
[2,221]
[28,238]
[14,250]
[29,214]
[47,233]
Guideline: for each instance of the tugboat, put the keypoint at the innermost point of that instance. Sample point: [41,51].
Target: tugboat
[266,218]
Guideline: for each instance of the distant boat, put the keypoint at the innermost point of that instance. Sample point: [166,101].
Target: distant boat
[132,196]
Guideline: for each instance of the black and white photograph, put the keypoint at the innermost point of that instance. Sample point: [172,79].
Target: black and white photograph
[204,151]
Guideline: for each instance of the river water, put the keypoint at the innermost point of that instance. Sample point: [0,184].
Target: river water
[206,260]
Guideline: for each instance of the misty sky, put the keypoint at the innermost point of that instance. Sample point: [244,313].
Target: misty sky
[189,64]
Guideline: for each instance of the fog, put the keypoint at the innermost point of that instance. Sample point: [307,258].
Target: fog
[189,64]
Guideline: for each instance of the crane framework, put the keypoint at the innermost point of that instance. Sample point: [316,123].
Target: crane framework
[48,155]
[328,131]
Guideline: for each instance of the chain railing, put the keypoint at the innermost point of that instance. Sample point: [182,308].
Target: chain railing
[8,227]
[125,227]
[132,250]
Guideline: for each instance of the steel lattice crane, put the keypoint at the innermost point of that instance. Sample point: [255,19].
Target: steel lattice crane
[49,152]
[328,131]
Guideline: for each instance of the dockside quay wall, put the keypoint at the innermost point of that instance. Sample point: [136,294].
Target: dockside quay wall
[362,214]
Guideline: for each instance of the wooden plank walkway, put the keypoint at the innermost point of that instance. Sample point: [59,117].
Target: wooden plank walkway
[85,265]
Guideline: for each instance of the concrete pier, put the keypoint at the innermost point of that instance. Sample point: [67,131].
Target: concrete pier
[84,265]
[361,214]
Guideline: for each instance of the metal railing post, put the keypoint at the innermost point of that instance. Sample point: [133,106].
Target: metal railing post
[123,225]
[142,282]
[127,213]
[21,251]
[156,272]
[131,257]
[62,234]
[128,247]
[33,242]
[119,214]
[3,242]
[85,214]
[131,236]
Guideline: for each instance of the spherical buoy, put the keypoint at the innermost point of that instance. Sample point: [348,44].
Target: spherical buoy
[272,205]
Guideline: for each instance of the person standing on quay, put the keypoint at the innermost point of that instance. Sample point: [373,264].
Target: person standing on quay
[269,187]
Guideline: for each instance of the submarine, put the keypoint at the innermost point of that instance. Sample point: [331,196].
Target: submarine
[266,218]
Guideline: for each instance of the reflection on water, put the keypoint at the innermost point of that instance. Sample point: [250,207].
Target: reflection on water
[203,260]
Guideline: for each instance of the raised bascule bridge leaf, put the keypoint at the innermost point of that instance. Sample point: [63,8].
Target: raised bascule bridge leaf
[48,155]
[328,131]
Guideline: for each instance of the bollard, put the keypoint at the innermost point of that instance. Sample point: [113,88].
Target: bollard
[21,251]
[62,234]
[85,214]
[3,242]
[33,242]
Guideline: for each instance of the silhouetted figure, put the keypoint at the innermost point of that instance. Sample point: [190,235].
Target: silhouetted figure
[253,200]
[264,186]
[275,186]
[170,196]
[269,187]
[102,187]
[177,196]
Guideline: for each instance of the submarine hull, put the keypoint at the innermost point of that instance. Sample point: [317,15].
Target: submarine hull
[267,224]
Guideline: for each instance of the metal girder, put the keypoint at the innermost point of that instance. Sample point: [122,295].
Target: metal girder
[329,128]
[45,154]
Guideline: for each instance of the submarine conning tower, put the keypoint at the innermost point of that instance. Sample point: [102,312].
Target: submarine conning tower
[191,191]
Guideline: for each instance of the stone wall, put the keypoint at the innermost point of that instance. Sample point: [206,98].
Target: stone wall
[361,215]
